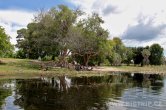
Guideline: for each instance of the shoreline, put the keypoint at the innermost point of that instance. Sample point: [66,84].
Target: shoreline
[129,69]
[71,73]
[25,68]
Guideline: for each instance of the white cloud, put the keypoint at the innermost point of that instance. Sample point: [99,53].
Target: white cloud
[125,14]
[13,20]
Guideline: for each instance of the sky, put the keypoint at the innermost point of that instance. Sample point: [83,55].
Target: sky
[136,22]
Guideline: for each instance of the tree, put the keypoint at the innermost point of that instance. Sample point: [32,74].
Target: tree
[117,48]
[60,31]
[48,33]
[146,54]
[117,59]
[6,48]
[90,38]
[20,54]
[138,58]
[129,56]
[64,21]
[156,54]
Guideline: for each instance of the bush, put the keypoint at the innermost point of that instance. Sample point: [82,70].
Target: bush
[106,62]
[20,54]
[47,58]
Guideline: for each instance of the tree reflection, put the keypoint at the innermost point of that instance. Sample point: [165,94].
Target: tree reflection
[63,83]
[4,91]
[79,93]
[148,80]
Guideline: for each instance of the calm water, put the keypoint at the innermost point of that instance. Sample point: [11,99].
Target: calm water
[113,92]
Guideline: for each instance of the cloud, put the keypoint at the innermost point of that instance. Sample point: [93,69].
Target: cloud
[144,30]
[110,9]
[13,20]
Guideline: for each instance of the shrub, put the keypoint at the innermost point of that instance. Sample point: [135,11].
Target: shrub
[47,58]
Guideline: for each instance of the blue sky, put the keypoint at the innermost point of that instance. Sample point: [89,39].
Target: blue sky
[32,5]
[136,22]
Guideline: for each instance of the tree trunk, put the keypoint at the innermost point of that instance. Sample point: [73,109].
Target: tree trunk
[62,58]
[1,62]
[86,60]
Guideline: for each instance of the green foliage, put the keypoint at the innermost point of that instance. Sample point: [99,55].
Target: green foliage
[47,35]
[6,48]
[129,56]
[146,53]
[47,58]
[106,62]
[89,39]
[20,54]
[116,47]
[138,58]
[156,54]
[117,59]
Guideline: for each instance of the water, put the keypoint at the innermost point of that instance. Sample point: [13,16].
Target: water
[111,92]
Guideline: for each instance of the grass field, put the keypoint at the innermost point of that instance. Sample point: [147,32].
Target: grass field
[151,69]
[25,68]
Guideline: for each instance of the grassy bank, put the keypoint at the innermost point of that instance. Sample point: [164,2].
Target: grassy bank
[18,68]
[151,69]
[25,68]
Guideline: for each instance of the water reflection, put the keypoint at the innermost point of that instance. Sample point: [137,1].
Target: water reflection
[3,92]
[86,93]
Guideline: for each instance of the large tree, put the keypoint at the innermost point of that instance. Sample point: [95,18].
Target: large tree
[48,33]
[90,38]
[117,48]
[156,54]
[6,48]
[60,31]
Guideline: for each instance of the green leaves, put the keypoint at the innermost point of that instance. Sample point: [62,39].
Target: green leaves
[156,54]
[6,48]
[146,53]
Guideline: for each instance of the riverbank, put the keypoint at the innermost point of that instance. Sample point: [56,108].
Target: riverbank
[25,68]
[151,69]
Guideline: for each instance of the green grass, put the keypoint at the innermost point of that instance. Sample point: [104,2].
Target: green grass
[25,68]
[151,69]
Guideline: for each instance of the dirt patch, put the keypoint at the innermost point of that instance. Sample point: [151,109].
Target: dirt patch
[105,69]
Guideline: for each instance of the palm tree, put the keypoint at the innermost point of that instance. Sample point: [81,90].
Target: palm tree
[146,53]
